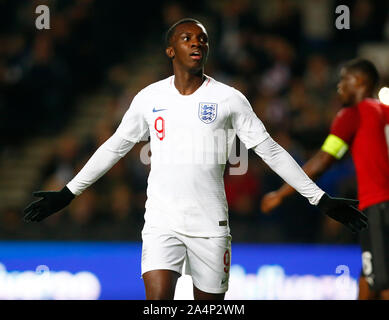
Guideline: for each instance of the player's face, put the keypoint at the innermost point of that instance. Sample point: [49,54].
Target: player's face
[189,46]
[347,87]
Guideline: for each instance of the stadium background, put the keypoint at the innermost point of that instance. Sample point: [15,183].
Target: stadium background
[63,92]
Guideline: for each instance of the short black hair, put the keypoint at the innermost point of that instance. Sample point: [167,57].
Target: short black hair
[367,68]
[170,32]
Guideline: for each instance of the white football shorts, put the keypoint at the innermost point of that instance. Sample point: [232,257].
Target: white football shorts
[207,260]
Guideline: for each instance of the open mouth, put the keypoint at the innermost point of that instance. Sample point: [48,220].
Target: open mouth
[196,55]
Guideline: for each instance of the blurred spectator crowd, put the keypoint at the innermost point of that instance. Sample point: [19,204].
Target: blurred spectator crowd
[283,55]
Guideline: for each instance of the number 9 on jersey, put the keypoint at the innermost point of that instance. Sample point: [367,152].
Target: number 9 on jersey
[159,126]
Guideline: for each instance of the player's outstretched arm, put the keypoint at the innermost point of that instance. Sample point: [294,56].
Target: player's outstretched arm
[105,157]
[314,168]
[281,162]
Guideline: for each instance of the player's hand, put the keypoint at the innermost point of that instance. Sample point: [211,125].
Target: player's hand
[51,202]
[344,211]
[270,201]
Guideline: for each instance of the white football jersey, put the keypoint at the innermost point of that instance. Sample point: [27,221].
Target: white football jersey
[190,136]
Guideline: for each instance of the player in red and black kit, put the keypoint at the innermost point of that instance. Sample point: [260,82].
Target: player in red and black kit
[362,126]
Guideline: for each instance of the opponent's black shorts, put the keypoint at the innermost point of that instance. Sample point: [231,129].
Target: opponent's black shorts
[375,247]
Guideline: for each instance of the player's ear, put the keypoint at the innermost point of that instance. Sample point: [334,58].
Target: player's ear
[360,79]
[170,52]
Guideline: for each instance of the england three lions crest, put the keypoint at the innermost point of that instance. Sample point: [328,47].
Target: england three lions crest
[207,112]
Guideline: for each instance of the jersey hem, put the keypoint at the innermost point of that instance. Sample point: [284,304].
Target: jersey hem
[373,201]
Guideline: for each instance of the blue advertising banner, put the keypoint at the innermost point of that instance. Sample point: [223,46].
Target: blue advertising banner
[111,270]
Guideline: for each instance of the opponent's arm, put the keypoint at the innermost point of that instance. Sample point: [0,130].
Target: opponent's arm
[314,168]
[105,157]
[333,149]
[280,161]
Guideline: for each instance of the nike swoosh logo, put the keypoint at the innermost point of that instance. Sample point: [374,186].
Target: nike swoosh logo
[156,110]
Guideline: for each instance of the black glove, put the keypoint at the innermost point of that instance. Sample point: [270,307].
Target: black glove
[344,211]
[52,202]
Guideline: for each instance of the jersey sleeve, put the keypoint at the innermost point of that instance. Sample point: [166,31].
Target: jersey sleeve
[248,126]
[104,158]
[343,129]
[133,126]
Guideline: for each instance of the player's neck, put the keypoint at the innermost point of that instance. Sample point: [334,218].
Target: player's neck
[362,96]
[186,83]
